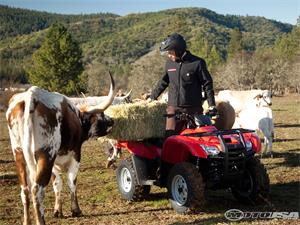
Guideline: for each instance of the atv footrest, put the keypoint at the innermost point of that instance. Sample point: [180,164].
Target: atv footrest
[148,182]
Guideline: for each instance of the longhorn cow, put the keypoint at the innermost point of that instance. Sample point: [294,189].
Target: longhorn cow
[46,131]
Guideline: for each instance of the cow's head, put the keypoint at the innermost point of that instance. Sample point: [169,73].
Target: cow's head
[100,125]
[264,98]
[97,123]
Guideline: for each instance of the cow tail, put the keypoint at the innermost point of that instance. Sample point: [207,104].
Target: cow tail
[28,143]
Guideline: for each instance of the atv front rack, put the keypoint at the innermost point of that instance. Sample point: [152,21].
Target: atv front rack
[231,162]
[220,133]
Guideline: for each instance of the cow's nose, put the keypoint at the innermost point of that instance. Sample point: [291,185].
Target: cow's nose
[111,123]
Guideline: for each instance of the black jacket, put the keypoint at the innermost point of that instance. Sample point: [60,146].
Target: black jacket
[186,80]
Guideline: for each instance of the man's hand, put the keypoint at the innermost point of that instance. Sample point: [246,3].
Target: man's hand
[146,96]
[212,111]
[148,100]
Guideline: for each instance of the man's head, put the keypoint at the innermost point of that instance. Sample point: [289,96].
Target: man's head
[174,45]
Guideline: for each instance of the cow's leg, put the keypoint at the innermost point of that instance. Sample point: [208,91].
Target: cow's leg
[268,144]
[41,179]
[72,175]
[265,144]
[25,193]
[267,147]
[114,153]
[37,192]
[57,187]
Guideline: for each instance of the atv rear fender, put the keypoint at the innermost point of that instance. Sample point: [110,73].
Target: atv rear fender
[140,149]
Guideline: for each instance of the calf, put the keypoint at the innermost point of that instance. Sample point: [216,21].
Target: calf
[46,131]
[258,118]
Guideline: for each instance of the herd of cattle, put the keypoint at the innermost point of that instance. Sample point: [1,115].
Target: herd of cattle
[47,130]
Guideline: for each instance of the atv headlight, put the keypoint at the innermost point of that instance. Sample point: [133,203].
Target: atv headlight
[210,150]
[248,145]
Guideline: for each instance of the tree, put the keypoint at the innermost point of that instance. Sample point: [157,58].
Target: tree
[200,46]
[235,45]
[214,59]
[57,64]
[287,47]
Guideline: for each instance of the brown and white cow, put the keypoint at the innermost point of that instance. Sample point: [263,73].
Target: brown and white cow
[46,131]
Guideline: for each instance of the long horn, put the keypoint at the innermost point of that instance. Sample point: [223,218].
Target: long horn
[127,95]
[107,102]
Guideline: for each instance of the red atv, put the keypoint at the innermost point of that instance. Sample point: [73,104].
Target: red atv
[200,157]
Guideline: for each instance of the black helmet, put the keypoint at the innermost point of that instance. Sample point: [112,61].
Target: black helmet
[174,42]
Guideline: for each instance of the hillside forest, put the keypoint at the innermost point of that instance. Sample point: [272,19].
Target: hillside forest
[73,53]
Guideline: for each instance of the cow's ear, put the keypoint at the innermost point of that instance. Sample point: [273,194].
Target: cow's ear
[87,118]
[258,96]
[92,118]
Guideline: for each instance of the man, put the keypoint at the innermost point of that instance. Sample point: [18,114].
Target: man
[186,76]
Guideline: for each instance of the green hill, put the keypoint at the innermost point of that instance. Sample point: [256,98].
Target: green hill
[16,21]
[122,40]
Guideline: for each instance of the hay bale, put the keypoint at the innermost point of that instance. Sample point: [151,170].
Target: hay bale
[137,121]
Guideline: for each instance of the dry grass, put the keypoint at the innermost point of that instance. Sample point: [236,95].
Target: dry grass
[101,203]
[4,99]
[131,119]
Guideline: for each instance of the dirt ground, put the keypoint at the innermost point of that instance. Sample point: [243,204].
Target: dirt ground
[101,204]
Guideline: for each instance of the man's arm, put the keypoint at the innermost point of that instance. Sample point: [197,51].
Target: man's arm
[207,84]
[162,84]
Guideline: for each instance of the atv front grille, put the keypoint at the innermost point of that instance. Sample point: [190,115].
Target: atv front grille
[230,163]
[234,161]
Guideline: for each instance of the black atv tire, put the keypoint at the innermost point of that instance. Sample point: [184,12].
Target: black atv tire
[255,185]
[127,182]
[185,188]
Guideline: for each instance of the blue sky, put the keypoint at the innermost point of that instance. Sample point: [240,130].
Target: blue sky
[280,10]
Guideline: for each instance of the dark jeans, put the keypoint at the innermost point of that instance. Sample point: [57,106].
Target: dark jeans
[176,125]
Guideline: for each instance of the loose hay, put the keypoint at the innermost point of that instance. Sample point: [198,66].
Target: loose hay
[137,121]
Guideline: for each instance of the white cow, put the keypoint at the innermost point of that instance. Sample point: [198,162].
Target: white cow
[96,100]
[242,99]
[258,118]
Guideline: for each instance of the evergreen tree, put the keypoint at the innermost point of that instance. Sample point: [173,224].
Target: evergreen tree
[200,47]
[287,47]
[235,45]
[214,59]
[57,64]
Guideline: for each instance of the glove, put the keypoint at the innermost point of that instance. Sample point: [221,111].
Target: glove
[148,100]
[146,96]
[212,111]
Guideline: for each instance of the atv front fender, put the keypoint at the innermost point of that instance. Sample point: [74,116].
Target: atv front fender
[178,148]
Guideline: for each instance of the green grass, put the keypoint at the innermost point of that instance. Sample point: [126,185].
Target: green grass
[100,200]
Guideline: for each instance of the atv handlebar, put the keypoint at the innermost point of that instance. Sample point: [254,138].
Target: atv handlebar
[187,116]
[191,121]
